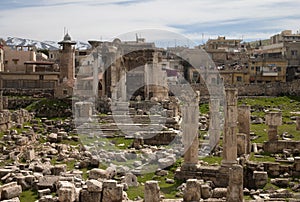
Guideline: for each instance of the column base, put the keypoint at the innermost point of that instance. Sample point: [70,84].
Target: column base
[226,163]
[190,166]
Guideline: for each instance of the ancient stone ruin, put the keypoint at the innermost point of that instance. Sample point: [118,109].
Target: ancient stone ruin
[49,158]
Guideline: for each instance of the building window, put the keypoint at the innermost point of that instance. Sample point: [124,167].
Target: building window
[41,77]
[239,78]
[65,92]
[252,68]
[51,56]
[257,69]
[15,61]
[279,69]
[294,52]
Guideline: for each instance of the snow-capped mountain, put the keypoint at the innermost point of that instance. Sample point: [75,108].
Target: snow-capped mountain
[49,45]
[14,41]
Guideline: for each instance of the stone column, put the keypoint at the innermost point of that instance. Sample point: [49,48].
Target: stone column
[273,120]
[152,192]
[96,64]
[1,101]
[298,123]
[244,124]
[230,129]
[235,187]
[214,126]
[123,87]
[190,125]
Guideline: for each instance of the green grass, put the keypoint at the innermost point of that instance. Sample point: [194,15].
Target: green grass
[204,108]
[85,175]
[247,198]
[168,190]
[70,142]
[290,129]
[286,104]
[120,143]
[28,196]
[121,140]
[212,160]
[264,158]
[70,164]
[260,130]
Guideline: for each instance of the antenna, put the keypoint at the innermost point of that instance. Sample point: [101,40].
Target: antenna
[64,31]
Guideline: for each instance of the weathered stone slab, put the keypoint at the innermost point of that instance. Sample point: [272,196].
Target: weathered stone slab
[152,192]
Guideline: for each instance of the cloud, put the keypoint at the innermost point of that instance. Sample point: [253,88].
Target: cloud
[45,20]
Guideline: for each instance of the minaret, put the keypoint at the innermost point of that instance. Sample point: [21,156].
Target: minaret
[67,59]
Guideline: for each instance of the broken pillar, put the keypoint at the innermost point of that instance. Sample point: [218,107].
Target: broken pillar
[230,129]
[244,124]
[241,144]
[192,191]
[83,111]
[1,101]
[112,192]
[235,187]
[214,126]
[190,113]
[273,120]
[152,193]
[298,123]
[297,165]
[260,179]
[66,191]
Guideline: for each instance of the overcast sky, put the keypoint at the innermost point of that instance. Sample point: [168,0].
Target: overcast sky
[106,19]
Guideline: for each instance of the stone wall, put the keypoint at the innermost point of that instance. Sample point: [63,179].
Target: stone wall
[278,146]
[255,89]
[18,103]
[258,89]
[159,138]
[28,92]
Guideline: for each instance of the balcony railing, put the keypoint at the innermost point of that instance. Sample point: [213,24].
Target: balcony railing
[269,73]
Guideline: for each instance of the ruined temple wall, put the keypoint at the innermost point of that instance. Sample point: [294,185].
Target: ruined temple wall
[255,89]
[280,145]
[258,89]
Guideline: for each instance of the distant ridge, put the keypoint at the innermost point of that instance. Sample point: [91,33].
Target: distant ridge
[48,45]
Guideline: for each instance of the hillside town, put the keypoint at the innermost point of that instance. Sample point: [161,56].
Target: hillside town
[122,121]
[238,62]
